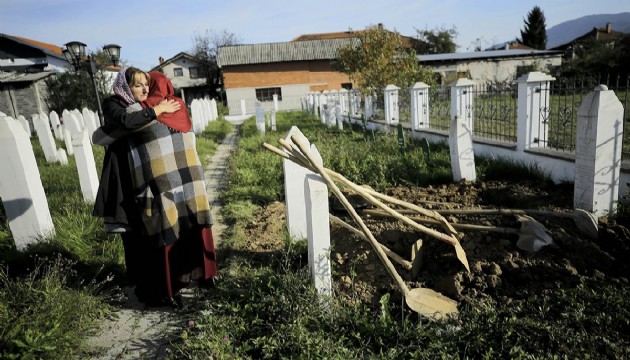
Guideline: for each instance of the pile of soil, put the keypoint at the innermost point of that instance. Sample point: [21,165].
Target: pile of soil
[498,268]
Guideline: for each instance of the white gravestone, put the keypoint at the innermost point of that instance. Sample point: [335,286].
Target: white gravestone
[68,131]
[56,124]
[84,157]
[45,137]
[295,201]
[21,189]
[215,110]
[25,124]
[260,118]
[197,114]
[90,121]
[598,152]
[318,228]
[243,107]
[461,149]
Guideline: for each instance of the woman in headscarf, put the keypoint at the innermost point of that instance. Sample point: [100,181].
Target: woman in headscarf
[152,188]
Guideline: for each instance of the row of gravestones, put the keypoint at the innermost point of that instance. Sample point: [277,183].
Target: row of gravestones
[21,190]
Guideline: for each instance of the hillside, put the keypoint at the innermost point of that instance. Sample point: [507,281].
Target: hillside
[569,30]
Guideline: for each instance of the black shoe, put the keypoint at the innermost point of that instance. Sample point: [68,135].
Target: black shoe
[210,283]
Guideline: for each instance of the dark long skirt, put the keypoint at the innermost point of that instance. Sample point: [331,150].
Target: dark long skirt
[159,273]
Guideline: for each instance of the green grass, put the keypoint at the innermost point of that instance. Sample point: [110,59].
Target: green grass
[53,294]
[264,307]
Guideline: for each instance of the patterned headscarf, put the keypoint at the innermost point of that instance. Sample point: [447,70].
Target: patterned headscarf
[122,89]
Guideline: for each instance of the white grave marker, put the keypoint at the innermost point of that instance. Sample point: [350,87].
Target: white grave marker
[461,149]
[318,228]
[598,152]
[21,189]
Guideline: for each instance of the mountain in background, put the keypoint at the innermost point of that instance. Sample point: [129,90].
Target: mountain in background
[569,30]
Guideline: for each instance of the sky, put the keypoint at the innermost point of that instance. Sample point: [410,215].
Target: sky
[147,30]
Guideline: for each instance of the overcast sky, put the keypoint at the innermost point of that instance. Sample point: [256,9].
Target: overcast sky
[147,30]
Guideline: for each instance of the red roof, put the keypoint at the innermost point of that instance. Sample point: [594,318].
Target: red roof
[54,48]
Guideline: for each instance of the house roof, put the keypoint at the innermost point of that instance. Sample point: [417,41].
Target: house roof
[325,49]
[16,77]
[48,49]
[599,34]
[178,56]
[490,54]
[407,42]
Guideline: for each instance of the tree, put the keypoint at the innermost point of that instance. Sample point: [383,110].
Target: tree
[377,59]
[206,49]
[534,34]
[75,90]
[436,41]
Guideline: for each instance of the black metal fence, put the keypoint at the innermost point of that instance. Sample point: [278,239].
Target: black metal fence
[566,96]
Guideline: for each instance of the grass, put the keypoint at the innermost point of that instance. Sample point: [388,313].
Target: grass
[53,294]
[264,307]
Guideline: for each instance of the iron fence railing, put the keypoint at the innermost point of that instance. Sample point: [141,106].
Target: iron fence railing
[565,97]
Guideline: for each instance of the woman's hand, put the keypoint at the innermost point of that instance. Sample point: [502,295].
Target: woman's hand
[166,106]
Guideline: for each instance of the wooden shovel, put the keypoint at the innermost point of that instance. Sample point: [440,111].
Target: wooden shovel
[450,239]
[583,220]
[423,301]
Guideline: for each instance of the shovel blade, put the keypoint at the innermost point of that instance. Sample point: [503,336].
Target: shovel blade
[430,303]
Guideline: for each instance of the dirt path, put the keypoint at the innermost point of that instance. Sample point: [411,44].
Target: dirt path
[138,333]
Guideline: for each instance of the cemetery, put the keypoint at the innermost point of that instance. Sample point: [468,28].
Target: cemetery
[393,218]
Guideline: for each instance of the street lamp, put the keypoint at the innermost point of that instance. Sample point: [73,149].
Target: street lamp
[75,54]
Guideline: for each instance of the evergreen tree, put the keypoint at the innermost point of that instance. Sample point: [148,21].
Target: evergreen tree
[534,34]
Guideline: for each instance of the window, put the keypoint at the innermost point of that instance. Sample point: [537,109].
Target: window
[178,72]
[196,72]
[266,94]
[347,86]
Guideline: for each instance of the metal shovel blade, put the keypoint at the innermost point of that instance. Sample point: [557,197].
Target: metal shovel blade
[533,235]
[430,303]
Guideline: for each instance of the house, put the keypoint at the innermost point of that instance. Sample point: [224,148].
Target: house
[24,66]
[492,66]
[188,75]
[602,35]
[286,69]
[22,54]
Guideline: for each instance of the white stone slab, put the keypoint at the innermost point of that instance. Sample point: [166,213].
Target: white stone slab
[461,149]
[46,139]
[318,229]
[21,190]
[86,166]
[294,177]
[598,152]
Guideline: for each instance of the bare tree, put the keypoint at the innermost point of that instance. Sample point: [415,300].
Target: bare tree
[206,48]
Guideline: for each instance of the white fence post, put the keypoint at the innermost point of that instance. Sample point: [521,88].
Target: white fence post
[21,189]
[392,112]
[461,149]
[462,101]
[275,102]
[533,110]
[419,106]
[598,152]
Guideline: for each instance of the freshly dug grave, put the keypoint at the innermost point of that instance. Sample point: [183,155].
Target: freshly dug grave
[498,268]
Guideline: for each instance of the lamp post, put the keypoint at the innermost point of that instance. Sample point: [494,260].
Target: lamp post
[75,54]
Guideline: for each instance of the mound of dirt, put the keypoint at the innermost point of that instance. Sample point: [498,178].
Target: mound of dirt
[498,268]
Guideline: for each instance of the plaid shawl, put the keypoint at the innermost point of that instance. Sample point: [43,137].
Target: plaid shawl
[169,183]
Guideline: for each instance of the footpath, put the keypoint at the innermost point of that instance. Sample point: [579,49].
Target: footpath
[134,332]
